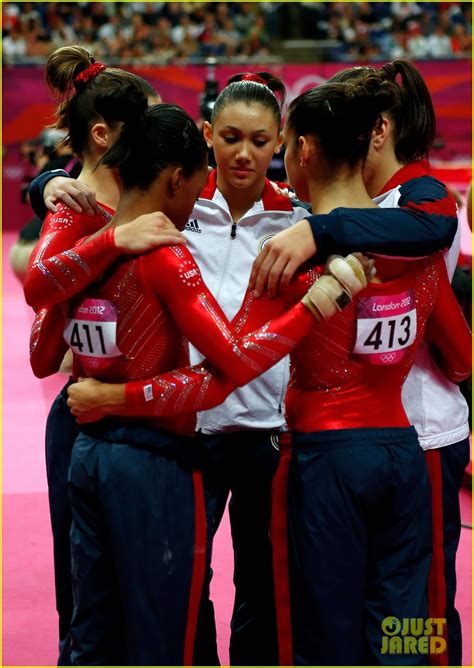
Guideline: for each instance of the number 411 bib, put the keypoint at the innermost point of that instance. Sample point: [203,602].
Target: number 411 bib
[386,327]
[92,329]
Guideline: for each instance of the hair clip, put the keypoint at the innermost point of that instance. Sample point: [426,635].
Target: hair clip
[328,108]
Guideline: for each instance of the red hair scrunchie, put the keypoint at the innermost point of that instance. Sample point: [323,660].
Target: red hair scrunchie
[255,78]
[89,73]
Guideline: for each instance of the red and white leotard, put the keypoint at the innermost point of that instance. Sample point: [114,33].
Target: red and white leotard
[349,371]
[132,327]
[60,267]
[63,262]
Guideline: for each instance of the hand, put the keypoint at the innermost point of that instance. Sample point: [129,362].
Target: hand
[358,262]
[147,232]
[90,400]
[336,289]
[281,257]
[74,193]
[368,264]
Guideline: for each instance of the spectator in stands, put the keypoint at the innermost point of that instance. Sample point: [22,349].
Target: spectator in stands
[172,11]
[210,44]
[417,44]
[185,30]
[161,43]
[108,32]
[14,44]
[255,41]
[461,41]
[62,33]
[245,17]
[440,43]
[229,37]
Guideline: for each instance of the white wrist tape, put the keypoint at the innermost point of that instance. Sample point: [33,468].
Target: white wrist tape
[349,272]
[326,297]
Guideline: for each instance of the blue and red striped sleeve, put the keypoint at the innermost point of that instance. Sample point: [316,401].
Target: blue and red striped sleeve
[424,223]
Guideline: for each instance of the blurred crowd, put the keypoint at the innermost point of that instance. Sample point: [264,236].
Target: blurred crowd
[161,31]
[145,30]
[391,30]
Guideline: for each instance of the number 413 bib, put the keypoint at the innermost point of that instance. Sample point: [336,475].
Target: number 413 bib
[386,327]
[92,330]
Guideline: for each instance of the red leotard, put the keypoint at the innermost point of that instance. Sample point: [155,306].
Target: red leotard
[330,386]
[55,271]
[59,269]
[132,326]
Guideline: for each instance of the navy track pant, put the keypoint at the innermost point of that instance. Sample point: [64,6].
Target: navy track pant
[61,432]
[243,464]
[138,547]
[359,536]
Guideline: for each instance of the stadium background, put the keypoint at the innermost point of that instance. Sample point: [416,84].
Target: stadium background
[171,45]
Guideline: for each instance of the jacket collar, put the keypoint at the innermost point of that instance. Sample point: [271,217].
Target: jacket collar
[271,200]
[411,171]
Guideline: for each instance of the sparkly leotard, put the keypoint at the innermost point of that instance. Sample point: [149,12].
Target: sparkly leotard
[348,372]
[131,327]
[63,263]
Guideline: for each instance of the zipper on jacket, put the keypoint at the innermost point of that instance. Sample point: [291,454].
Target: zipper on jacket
[233,231]
[224,271]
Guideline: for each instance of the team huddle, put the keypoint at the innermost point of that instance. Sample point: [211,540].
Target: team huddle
[291,350]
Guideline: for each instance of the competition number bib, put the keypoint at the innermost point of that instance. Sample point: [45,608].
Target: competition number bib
[92,329]
[386,327]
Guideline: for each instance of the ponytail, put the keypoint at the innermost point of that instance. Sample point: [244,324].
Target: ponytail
[412,111]
[82,85]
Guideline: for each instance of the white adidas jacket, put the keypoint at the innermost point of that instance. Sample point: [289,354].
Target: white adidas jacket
[225,254]
[434,405]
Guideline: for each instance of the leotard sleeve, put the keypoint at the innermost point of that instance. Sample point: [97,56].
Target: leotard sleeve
[64,261]
[448,331]
[47,344]
[173,275]
[202,386]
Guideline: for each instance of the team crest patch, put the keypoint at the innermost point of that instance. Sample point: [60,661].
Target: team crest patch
[190,274]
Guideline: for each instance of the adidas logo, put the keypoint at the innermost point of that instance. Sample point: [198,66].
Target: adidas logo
[193,226]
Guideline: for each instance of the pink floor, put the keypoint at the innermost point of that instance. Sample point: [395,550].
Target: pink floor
[29,618]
